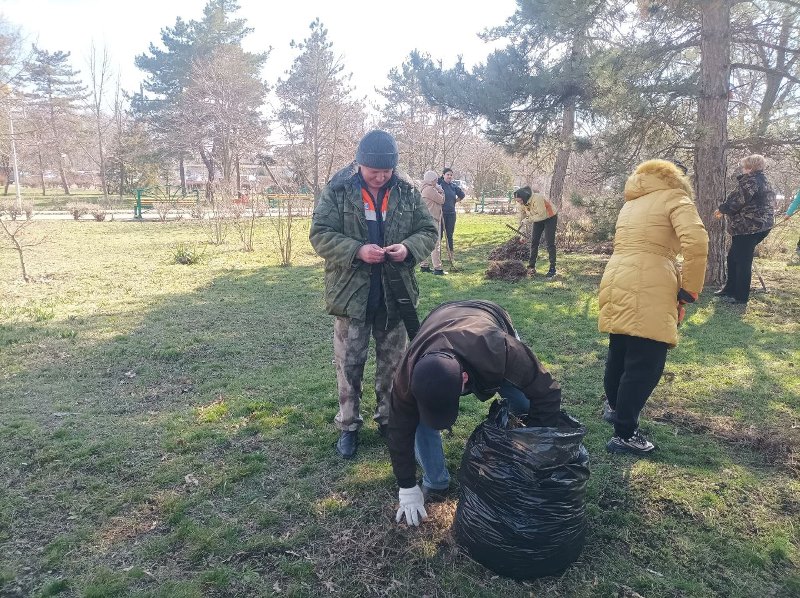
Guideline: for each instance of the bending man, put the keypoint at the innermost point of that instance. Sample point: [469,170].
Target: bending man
[462,347]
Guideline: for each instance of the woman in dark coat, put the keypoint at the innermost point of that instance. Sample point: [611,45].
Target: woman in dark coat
[750,209]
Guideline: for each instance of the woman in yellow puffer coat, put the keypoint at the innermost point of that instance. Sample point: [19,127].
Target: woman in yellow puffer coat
[642,291]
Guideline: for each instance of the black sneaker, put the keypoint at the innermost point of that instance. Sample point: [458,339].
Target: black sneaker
[347,444]
[432,495]
[722,293]
[550,273]
[609,414]
[637,444]
[439,272]
[425,269]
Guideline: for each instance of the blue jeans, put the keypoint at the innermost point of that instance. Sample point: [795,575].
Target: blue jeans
[428,442]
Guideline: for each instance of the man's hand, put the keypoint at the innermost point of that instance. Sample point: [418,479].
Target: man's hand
[397,252]
[371,254]
[412,505]
[717,214]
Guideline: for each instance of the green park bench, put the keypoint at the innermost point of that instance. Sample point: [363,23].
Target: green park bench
[146,199]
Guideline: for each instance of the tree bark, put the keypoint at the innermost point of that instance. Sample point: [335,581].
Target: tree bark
[41,167]
[182,173]
[712,127]
[564,153]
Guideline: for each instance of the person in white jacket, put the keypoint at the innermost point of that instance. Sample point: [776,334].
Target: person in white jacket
[433,196]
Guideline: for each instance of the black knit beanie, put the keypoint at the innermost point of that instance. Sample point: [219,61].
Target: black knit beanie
[436,385]
[524,193]
[377,149]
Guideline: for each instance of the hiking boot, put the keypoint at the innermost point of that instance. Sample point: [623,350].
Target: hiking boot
[637,444]
[432,495]
[550,273]
[347,444]
[439,272]
[722,293]
[425,269]
[531,271]
[609,414]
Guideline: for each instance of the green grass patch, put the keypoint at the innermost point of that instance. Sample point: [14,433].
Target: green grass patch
[166,430]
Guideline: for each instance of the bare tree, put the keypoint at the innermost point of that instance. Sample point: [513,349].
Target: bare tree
[429,137]
[99,74]
[219,113]
[16,235]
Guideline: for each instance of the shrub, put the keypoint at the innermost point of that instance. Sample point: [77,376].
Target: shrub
[10,207]
[77,209]
[163,209]
[27,207]
[602,211]
[98,213]
[186,253]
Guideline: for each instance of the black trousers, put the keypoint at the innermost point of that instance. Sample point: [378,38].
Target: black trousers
[548,227]
[740,264]
[449,227]
[633,369]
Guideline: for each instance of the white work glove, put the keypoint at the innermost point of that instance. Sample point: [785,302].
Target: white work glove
[412,505]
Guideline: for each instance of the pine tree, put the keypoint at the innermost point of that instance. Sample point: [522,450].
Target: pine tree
[188,49]
[537,89]
[318,117]
[58,96]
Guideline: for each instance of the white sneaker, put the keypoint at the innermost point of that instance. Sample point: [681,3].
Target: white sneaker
[637,444]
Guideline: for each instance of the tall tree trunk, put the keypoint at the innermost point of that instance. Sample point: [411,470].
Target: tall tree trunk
[102,161]
[182,173]
[565,139]
[564,152]
[41,167]
[712,127]
[62,173]
[208,160]
[238,178]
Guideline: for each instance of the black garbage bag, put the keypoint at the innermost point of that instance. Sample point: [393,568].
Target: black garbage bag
[522,510]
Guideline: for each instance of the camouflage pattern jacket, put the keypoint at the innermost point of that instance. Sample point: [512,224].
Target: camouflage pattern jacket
[339,229]
[750,208]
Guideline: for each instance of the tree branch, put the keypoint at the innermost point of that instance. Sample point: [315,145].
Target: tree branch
[764,69]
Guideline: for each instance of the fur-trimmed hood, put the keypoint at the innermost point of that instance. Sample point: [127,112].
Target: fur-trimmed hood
[349,176]
[656,175]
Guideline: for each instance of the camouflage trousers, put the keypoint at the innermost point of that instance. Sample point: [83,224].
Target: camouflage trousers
[350,345]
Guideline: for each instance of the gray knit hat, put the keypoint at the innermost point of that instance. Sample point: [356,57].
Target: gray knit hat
[377,149]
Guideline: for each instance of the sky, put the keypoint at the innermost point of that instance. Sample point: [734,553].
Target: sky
[371,37]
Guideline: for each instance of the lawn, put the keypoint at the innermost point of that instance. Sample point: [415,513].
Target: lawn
[166,431]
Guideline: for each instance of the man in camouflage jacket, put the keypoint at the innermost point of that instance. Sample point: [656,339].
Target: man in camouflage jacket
[368,215]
